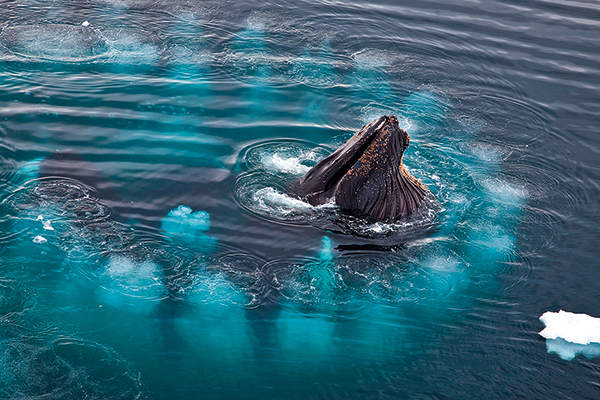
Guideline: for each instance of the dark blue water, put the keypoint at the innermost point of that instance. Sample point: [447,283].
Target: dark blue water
[151,246]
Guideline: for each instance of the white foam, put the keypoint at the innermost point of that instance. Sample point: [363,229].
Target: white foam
[255,23]
[269,199]
[505,192]
[286,165]
[131,50]
[574,328]
[215,289]
[372,59]
[406,124]
[442,264]
[134,277]
[487,154]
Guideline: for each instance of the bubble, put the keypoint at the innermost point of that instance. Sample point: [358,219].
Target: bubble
[54,42]
[181,224]
[65,368]
[129,50]
[67,213]
[505,192]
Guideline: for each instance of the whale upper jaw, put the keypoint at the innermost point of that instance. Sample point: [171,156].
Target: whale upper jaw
[366,176]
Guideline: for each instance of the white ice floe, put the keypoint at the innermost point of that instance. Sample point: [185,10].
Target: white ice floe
[570,334]
[574,328]
[568,351]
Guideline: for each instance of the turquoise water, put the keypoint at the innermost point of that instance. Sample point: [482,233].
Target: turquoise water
[167,257]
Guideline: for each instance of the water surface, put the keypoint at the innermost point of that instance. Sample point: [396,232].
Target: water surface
[151,246]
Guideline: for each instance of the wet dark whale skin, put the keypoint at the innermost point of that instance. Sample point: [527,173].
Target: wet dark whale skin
[365,175]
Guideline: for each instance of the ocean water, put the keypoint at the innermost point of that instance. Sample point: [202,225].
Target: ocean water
[152,246]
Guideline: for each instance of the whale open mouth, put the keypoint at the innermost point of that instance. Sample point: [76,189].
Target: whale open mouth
[365,175]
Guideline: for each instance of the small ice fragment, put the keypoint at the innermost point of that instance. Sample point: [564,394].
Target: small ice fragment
[39,239]
[85,23]
[47,225]
[568,351]
[574,328]
[39,218]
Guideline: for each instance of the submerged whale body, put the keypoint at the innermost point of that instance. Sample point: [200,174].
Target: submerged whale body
[366,176]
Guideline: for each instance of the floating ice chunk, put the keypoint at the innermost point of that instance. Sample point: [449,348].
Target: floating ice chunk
[39,239]
[574,328]
[47,225]
[568,351]
[85,23]
[183,224]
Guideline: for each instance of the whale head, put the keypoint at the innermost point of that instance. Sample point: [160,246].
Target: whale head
[365,175]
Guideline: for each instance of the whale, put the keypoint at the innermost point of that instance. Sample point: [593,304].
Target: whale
[365,175]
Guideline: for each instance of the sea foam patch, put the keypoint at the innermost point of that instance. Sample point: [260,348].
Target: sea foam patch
[570,334]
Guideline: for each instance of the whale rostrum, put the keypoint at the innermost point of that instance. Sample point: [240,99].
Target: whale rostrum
[365,175]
